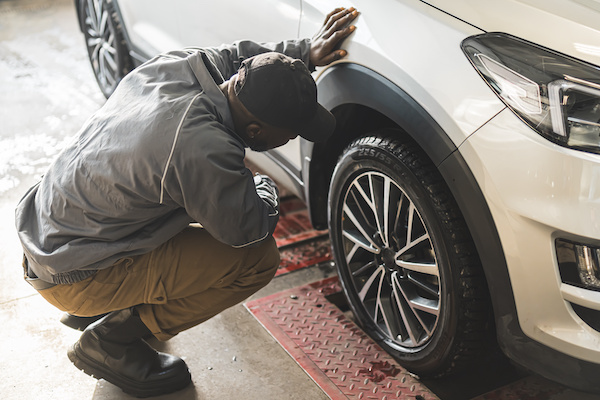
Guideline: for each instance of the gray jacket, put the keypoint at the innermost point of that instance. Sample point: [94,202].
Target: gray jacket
[160,154]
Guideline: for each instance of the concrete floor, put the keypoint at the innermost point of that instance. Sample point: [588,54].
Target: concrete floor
[47,92]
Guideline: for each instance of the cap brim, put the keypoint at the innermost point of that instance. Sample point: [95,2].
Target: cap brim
[320,127]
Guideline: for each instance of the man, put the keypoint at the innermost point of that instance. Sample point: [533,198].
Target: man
[107,229]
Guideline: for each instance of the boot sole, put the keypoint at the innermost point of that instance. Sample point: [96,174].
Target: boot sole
[98,371]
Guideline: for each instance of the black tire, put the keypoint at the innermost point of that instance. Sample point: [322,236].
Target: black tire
[105,42]
[421,263]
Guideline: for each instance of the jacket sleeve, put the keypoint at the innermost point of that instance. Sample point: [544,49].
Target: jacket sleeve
[227,58]
[217,190]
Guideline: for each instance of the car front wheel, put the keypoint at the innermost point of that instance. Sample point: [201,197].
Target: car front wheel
[405,258]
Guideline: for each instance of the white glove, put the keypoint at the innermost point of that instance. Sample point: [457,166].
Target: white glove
[267,190]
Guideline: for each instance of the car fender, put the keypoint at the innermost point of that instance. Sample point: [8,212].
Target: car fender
[388,101]
[371,90]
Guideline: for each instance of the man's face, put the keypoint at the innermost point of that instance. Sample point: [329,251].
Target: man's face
[270,138]
[258,135]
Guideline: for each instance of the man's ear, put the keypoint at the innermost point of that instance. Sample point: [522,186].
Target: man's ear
[253,130]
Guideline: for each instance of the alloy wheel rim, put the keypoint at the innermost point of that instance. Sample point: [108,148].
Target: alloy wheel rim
[391,260]
[101,43]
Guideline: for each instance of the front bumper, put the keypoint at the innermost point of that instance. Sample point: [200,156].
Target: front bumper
[538,192]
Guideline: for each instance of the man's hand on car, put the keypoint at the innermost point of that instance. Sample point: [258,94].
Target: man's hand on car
[335,29]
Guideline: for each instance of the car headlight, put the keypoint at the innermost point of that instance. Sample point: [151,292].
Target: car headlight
[556,95]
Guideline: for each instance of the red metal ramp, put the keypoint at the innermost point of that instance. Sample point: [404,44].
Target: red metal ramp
[347,364]
[300,245]
[338,356]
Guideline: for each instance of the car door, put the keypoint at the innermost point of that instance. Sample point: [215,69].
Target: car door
[152,26]
[211,23]
[162,26]
[158,26]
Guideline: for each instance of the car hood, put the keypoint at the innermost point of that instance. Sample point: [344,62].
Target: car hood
[568,26]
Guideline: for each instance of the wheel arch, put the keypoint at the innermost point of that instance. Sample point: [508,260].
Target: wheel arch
[362,99]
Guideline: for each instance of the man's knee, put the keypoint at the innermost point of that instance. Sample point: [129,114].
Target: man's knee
[264,261]
[271,258]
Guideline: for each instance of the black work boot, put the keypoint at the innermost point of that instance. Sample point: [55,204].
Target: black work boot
[79,323]
[112,349]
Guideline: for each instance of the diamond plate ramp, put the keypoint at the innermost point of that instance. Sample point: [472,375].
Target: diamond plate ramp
[336,354]
[300,245]
[294,224]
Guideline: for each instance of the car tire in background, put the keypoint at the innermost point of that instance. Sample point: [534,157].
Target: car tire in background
[105,42]
[405,258]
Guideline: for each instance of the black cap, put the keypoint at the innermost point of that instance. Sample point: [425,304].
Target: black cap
[280,91]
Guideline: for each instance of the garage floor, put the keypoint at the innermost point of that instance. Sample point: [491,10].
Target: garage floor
[47,92]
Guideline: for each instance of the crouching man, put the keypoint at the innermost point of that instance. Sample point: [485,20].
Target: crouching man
[107,230]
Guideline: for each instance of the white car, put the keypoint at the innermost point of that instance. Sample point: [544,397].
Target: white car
[461,188]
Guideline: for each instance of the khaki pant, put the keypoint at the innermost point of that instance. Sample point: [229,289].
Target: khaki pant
[181,284]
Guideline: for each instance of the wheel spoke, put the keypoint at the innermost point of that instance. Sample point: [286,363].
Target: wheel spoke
[389,314]
[92,33]
[409,325]
[380,193]
[381,310]
[375,204]
[99,14]
[105,71]
[429,288]
[359,206]
[424,268]
[399,210]
[364,268]
[415,302]
[109,58]
[101,68]
[95,55]
[364,195]
[103,29]
[426,305]
[354,249]
[413,217]
[351,253]
[93,42]
[361,241]
[386,210]
[91,15]
[95,59]
[373,247]
[378,273]
[109,45]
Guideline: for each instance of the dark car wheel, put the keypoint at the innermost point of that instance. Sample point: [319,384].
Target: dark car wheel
[105,42]
[404,256]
